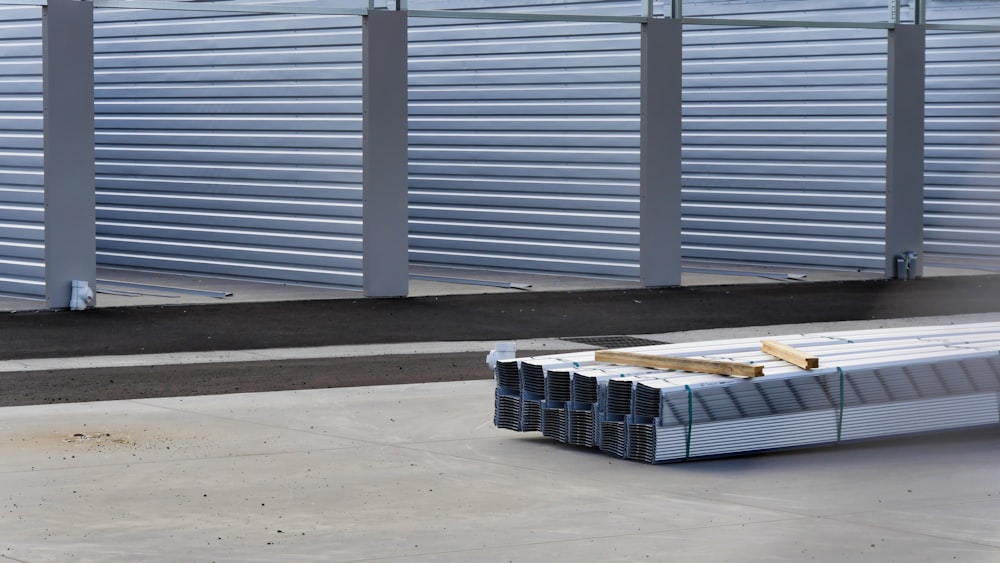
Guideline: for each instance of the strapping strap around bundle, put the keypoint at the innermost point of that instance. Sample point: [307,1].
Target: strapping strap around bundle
[840,410]
[687,434]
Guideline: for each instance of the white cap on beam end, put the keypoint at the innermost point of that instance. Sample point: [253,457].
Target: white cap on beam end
[82,295]
[503,351]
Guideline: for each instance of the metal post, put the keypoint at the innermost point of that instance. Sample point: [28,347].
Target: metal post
[660,154]
[904,176]
[648,9]
[68,101]
[384,214]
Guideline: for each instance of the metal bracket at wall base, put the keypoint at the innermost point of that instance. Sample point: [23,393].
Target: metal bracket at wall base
[906,266]
[82,295]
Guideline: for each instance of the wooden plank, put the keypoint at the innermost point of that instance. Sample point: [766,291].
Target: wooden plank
[791,355]
[718,367]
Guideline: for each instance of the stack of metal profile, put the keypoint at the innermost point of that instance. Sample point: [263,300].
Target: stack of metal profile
[508,407]
[870,384]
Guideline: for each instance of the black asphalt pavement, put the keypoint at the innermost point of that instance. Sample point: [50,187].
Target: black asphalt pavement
[497,316]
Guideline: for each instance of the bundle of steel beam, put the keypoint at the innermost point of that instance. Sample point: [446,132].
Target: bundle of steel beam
[870,384]
[508,410]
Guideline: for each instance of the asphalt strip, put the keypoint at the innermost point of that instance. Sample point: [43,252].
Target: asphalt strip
[443,348]
[276,354]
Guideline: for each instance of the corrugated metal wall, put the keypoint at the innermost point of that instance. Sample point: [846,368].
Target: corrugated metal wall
[784,136]
[962,193]
[524,143]
[22,221]
[230,144]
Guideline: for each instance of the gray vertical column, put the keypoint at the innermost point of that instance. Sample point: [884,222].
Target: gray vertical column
[68,100]
[904,175]
[384,89]
[660,154]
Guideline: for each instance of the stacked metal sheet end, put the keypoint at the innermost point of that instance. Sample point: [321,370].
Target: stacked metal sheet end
[870,384]
[614,437]
[508,413]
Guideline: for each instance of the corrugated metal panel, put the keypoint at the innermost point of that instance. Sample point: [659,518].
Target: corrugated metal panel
[784,137]
[524,142]
[230,144]
[22,222]
[962,186]
[871,383]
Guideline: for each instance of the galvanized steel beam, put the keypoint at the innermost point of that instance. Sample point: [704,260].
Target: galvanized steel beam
[963,27]
[787,23]
[660,153]
[384,162]
[219,7]
[68,100]
[674,8]
[522,16]
[904,176]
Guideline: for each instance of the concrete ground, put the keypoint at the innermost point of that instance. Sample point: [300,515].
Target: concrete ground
[184,469]
[417,472]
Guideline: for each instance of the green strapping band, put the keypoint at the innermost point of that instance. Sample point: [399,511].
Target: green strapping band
[840,411]
[687,436]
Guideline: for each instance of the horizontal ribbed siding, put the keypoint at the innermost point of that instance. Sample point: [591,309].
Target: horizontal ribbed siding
[524,143]
[962,193]
[524,140]
[230,144]
[784,137]
[22,216]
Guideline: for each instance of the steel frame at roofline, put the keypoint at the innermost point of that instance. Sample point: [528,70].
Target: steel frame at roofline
[385,187]
[676,12]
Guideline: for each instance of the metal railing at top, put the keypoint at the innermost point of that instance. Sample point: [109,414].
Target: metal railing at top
[674,9]
[647,9]
[213,6]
